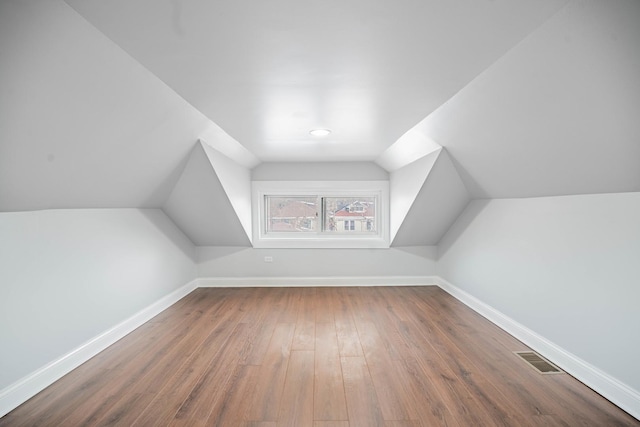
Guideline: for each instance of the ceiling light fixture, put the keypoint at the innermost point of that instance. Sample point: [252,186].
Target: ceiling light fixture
[320,132]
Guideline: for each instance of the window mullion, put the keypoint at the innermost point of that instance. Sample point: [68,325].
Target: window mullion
[321,215]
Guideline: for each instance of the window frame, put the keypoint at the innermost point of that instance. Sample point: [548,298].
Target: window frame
[321,238]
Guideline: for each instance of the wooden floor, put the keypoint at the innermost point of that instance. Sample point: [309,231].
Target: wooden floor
[322,357]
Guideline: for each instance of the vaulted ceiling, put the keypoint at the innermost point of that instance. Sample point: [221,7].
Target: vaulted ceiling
[268,72]
[102,103]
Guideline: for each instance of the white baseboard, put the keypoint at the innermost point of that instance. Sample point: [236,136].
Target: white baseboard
[612,389]
[258,282]
[22,390]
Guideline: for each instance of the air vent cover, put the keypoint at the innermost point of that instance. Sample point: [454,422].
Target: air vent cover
[538,363]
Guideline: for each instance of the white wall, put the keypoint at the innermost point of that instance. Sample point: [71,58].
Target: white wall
[69,275]
[405,184]
[200,206]
[440,199]
[319,171]
[567,268]
[236,181]
[249,262]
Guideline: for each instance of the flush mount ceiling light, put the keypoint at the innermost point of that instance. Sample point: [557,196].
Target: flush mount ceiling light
[320,132]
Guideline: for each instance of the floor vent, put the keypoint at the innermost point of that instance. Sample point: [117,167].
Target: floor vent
[538,363]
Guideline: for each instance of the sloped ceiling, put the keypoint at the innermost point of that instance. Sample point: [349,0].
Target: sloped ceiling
[268,72]
[82,124]
[559,114]
[101,103]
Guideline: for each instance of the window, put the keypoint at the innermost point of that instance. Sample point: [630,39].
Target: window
[349,213]
[291,214]
[320,214]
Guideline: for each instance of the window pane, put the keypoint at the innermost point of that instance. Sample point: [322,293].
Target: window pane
[291,214]
[350,214]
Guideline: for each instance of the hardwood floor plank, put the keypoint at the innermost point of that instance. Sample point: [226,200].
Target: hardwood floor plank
[576,401]
[271,377]
[432,409]
[360,393]
[403,423]
[304,335]
[459,401]
[399,301]
[348,339]
[210,390]
[516,383]
[252,313]
[358,302]
[291,305]
[385,321]
[296,407]
[263,324]
[258,343]
[329,399]
[322,357]
[395,400]
[483,390]
[548,421]
[236,402]
[125,411]
[64,396]
[155,376]
[523,391]
[176,390]
[324,305]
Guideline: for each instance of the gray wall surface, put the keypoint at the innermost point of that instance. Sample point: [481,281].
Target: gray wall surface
[249,262]
[69,275]
[566,267]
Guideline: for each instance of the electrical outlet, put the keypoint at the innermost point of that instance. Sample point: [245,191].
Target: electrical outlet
[268,259]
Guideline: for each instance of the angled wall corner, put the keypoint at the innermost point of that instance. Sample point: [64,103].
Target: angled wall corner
[200,206]
[236,182]
[404,185]
[439,200]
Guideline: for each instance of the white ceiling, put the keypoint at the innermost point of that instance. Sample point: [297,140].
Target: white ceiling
[82,124]
[102,102]
[559,114]
[269,71]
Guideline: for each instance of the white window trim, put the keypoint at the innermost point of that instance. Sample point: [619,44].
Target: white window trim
[379,189]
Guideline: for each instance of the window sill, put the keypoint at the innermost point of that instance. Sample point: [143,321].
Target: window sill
[321,243]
